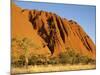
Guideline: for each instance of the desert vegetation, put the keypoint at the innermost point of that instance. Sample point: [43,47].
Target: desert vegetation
[43,41]
[22,44]
[24,63]
[68,57]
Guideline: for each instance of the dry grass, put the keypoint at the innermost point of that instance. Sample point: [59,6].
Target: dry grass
[51,68]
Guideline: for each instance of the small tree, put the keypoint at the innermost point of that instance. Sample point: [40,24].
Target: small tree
[24,44]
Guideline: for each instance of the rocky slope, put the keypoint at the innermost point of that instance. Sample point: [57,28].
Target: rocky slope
[51,32]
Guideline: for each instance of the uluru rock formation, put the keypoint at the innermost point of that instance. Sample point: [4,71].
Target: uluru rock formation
[51,32]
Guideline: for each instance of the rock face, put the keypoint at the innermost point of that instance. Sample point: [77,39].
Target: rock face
[50,31]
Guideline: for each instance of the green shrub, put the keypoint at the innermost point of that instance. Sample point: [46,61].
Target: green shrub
[68,57]
[53,61]
[18,62]
[32,60]
[92,61]
[37,60]
[71,57]
[86,60]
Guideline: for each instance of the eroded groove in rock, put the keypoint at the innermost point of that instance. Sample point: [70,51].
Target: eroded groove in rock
[57,33]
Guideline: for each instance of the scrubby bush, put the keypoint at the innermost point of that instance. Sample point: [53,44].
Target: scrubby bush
[92,61]
[68,57]
[42,60]
[32,60]
[71,57]
[53,61]
[37,60]
[20,62]
[86,60]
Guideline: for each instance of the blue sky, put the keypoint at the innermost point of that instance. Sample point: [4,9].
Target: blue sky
[84,15]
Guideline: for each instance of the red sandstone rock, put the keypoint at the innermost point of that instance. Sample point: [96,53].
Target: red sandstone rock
[46,27]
